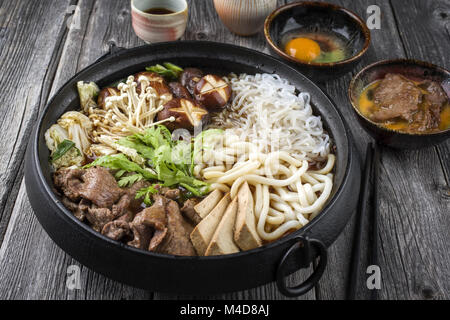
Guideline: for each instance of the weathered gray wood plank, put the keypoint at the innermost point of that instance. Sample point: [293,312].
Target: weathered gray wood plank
[415,220]
[25,52]
[32,266]
[414,243]
[385,44]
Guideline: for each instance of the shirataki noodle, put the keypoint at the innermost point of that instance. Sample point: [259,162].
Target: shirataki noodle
[270,142]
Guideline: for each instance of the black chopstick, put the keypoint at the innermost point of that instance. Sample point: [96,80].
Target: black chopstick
[375,214]
[361,212]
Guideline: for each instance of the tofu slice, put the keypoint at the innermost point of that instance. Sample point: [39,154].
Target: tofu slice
[222,240]
[208,204]
[202,234]
[245,234]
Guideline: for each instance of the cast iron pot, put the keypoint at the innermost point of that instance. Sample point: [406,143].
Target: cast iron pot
[195,275]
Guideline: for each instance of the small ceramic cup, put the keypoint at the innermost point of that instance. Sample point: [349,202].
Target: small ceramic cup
[159,27]
[244,17]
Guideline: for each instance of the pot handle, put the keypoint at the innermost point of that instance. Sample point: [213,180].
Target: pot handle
[113,49]
[304,244]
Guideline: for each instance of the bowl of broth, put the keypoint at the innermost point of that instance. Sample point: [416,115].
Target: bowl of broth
[324,41]
[159,20]
[403,103]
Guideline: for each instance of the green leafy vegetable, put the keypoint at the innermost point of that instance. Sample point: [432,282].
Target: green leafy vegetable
[156,137]
[170,162]
[167,70]
[204,141]
[146,193]
[120,173]
[88,93]
[66,155]
[196,191]
[130,180]
[54,136]
[135,143]
[121,162]
[173,67]
[62,148]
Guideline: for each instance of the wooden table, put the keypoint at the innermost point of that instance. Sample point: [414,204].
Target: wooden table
[42,44]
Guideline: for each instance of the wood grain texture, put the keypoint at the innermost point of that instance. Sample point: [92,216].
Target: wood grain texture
[25,49]
[414,219]
[388,42]
[385,44]
[414,185]
[32,266]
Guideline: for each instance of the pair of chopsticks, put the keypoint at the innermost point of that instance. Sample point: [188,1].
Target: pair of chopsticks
[369,185]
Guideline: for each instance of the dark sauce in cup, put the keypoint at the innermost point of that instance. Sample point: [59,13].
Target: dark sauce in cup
[159,11]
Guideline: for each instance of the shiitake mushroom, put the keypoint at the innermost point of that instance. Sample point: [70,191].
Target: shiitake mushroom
[179,91]
[189,78]
[105,93]
[212,92]
[156,81]
[187,113]
[150,76]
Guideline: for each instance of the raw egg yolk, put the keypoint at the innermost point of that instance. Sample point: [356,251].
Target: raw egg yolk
[303,49]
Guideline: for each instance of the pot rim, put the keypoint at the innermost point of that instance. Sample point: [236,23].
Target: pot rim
[302,231]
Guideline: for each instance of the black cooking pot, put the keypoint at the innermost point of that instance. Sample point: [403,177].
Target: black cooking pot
[166,273]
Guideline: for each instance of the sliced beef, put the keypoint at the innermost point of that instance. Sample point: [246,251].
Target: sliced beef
[436,95]
[121,207]
[142,234]
[79,209]
[100,187]
[161,228]
[434,100]
[93,194]
[423,120]
[136,204]
[177,241]
[69,181]
[397,97]
[127,217]
[428,116]
[94,184]
[117,229]
[149,225]
[173,194]
[188,211]
[98,217]
[156,217]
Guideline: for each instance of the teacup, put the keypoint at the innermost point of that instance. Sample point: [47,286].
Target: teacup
[159,20]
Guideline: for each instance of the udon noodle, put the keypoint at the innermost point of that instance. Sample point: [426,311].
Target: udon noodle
[271,143]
